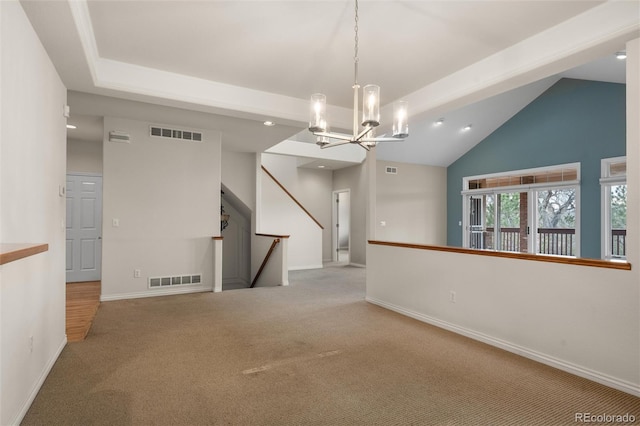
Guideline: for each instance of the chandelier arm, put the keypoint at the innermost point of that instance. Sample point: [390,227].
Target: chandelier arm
[362,134]
[381,139]
[329,145]
[340,136]
[364,146]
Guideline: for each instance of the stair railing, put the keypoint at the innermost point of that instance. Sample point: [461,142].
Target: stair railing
[264,262]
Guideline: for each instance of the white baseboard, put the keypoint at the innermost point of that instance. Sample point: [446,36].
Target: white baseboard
[154,293]
[36,387]
[357,265]
[571,368]
[301,268]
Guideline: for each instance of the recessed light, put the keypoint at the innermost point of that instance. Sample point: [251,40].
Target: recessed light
[71,126]
[321,167]
[269,123]
[621,55]
[466,128]
[438,122]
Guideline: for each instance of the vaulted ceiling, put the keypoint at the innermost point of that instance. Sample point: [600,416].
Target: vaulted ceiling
[242,62]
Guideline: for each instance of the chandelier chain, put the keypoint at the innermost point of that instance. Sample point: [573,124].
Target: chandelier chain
[355,56]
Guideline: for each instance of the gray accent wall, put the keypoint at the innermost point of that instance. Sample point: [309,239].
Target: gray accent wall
[573,121]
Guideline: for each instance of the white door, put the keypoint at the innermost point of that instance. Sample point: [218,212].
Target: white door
[84,227]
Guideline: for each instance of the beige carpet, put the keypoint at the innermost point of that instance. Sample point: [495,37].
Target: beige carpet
[313,353]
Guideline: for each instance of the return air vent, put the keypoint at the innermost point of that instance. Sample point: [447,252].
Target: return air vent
[391,170]
[159,282]
[179,134]
[116,136]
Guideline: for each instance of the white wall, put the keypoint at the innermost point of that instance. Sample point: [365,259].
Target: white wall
[32,167]
[354,178]
[281,215]
[584,320]
[84,156]
[412,203]
[314,189]
[239,175]
[166,196]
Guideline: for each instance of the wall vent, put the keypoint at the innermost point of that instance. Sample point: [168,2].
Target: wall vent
[159,282]
[116,136]
[391,170]
[178,134]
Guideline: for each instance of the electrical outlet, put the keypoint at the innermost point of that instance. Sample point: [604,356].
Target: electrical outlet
[452,296]
[136,273]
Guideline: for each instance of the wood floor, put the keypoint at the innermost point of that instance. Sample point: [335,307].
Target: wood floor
[83,300]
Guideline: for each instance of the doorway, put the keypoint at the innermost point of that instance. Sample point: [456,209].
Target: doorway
[341,241]
[84,228]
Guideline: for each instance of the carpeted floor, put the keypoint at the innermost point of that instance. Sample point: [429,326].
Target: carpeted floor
[313,353]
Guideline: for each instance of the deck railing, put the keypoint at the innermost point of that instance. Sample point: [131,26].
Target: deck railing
[557,241]
[619,242]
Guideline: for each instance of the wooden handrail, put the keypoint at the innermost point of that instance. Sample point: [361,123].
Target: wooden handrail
[264,262]
[292,197]
[13,252]
[522,256]
[272,235]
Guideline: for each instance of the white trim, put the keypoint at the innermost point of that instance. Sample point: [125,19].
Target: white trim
[605,166]
[154,293]
[357,265]
[613,180]
[305,267]
[520,188]
[571,368]
[606,182]
[36,387]
[555,167]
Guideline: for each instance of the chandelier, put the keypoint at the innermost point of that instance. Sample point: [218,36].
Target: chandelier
[364,131]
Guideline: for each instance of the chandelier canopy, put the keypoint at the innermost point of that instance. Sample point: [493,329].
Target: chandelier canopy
[364,131]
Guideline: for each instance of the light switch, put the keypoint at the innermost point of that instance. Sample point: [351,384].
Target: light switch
[115,223]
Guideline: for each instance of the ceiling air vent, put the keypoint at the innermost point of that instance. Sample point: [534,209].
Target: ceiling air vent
[391,170]
[179,134]
[116,136]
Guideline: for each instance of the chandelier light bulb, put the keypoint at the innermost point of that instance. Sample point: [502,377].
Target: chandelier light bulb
[371,105]
[400,122]
[318,118]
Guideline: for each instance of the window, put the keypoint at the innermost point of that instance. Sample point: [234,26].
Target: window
[614,207]
[526,211]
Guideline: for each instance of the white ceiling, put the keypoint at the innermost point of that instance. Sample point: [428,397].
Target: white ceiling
[241,62]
